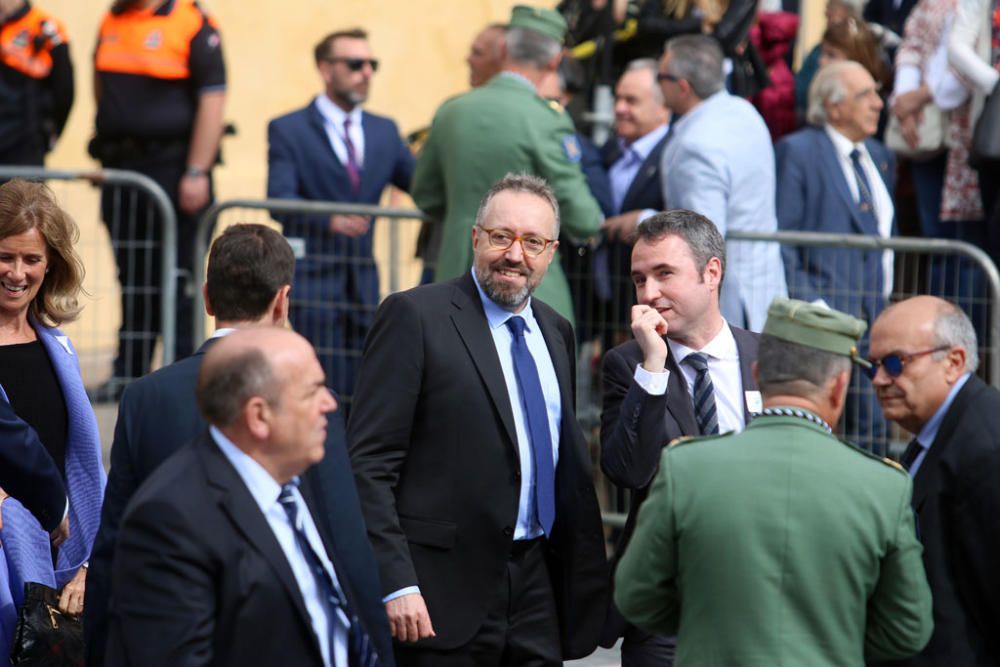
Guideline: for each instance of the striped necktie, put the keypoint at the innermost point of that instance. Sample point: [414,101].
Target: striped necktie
[353,169]
[703,394]
[360,652]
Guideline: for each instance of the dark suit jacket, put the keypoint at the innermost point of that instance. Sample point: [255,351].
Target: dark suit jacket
[636,426]
[645,190]
[27,472]
[434,449]
[145,438]
[886,13]
[200,577]
[301,164]
[813,196]
[957,501]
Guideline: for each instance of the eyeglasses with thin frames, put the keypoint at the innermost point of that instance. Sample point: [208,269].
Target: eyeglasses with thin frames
[664,76]
[532,244]
[355,64]
[895,362]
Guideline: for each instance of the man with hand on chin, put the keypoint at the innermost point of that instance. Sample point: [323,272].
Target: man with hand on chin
[686,373]
[473,474]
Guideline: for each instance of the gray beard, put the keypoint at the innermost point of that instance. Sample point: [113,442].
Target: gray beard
[506,300]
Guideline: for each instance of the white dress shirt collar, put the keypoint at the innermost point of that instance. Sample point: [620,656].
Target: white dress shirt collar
[334,114]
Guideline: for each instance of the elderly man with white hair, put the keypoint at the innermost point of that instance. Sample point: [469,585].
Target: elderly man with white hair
[833,176]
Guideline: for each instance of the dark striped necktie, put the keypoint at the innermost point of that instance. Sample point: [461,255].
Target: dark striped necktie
[360,652]
[910,454]
[703,394]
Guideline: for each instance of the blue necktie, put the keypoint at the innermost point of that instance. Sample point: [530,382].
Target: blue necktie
[538,424]
[703,395]
[866,199]
[360,652]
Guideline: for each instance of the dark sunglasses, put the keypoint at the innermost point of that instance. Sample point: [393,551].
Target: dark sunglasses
[894,363]
[355,64]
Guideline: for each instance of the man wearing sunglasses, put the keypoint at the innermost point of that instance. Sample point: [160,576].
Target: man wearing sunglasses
[332,150]
[924,357]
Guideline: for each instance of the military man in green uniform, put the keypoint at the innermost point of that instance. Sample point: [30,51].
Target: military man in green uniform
[781,545]
[502,127]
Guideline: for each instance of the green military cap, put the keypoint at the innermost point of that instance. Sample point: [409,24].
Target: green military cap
[816,326]
[546,21]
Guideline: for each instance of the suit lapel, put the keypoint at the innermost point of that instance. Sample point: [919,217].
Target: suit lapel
[679,398]
[470,321]
[746,347]
[834,173]
[319,128]
[557,352]
[924,480]
[236,502]
[649,171]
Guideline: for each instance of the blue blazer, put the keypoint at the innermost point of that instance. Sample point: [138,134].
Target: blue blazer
[301,164]
[25,554]
[813,196]
[143,442]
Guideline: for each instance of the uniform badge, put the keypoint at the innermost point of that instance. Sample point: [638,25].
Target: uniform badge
[153,40]
[571,147]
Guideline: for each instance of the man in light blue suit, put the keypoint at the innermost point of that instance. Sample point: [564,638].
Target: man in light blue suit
[332,150]
[834,177]
[719,163]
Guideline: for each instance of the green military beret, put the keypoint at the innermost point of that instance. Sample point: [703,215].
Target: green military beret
[815,326]
[546,21]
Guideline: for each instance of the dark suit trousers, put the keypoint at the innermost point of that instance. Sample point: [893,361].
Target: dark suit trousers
[640,649]
[521,628]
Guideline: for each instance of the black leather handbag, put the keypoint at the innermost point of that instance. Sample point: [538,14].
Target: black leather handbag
[45,636]
[985,150]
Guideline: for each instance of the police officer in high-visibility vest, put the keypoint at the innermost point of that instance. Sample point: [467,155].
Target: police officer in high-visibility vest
[160,84]
[36,83]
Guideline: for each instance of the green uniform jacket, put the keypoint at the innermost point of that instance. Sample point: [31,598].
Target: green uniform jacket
[780,546]
[476,139]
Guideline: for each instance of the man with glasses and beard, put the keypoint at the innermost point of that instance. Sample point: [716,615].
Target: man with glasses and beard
[473,474]
[332,150]
[924,357]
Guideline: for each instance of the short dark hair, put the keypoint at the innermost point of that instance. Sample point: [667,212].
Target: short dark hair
[225,385]
[700,234]
[790,369]
[325,45]
[247,266]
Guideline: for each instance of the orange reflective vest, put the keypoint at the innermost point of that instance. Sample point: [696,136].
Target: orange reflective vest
[140,42]
[26,43]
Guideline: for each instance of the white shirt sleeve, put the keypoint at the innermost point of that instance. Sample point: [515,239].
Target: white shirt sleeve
[654,384]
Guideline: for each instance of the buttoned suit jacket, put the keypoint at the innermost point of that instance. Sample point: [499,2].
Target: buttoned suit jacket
[813,196]
[301,164]
[142,442]
[434,448]
[719,163]
[957,502]
[199,576]
[636,426]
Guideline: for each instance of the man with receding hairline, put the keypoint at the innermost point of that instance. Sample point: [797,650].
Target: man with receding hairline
[924,355]
[222,558]
[485,57]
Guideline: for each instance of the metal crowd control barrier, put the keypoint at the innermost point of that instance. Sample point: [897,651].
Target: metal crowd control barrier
[135,201]
[954,270]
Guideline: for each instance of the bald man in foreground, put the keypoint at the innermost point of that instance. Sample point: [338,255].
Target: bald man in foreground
[221,558]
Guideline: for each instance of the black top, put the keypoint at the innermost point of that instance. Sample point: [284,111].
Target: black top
[32,387]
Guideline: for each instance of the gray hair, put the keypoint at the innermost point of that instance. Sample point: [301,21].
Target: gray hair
[953,328]
[828,87]
[226,384]
[698,60]
[529,47]
[790,369]
[520,183]
[700,234]
[653,69]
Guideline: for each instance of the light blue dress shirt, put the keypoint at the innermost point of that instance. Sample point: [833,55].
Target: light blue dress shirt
[265,491]
[527,526]
[929,432]
[624,170]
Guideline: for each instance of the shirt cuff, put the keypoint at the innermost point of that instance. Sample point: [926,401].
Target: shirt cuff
[409,590]
[654,384]
[907,79]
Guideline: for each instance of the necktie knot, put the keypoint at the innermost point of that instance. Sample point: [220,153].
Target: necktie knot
[697,361]
[913,450]
[855,155]
[517,325]
[289,504]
